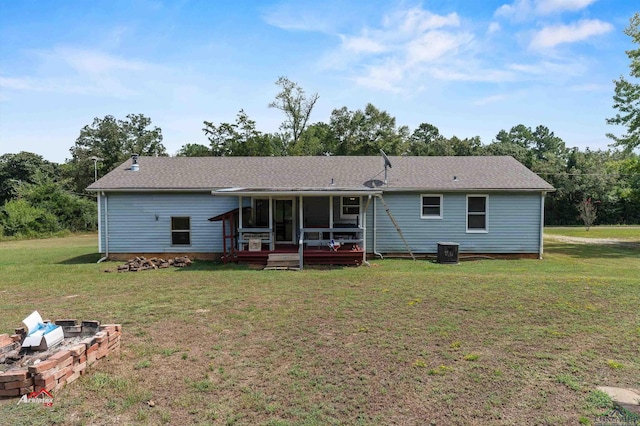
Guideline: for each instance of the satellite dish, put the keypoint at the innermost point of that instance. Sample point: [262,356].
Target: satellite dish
[373,183]
[387,162]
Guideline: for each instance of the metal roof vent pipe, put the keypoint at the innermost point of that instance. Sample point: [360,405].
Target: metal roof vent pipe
[134,163]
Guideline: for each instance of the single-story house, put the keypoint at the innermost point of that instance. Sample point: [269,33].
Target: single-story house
[324,207]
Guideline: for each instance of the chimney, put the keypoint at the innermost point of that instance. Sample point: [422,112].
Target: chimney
[134,163]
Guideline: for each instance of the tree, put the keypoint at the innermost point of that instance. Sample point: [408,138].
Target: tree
[113,141]
[367,132]
[516,143]
[242,139]
[194,150]
[317,139]
[72,212]
[627,95]
[140,138]
[466,146]
[296,106]
[24,167]
[19,218]
[427,140]
[624,197]
[588,212]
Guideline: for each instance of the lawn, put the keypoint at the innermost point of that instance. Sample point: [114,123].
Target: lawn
[499,342]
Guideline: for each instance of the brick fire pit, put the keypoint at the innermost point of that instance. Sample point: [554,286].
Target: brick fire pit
[84,344]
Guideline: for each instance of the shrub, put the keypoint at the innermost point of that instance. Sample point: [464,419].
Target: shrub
[19,217]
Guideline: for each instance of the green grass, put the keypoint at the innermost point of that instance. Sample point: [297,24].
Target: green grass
[483,342]
[625,233]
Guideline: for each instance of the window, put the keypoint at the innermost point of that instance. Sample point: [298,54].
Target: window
[477,213]
[349,207]
[431,206]
[181,231]
[262,213]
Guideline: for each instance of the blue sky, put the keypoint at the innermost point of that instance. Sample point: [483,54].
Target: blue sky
[468,67]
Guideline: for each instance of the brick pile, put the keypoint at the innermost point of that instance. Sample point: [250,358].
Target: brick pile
[65,365]
[144,264]
[9,346]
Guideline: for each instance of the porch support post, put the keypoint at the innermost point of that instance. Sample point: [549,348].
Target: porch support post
[364,230]
[240,222]
[364,234]
[272,244]
[331,217]
[301,237]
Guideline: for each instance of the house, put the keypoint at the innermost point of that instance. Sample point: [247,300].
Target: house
[324,208]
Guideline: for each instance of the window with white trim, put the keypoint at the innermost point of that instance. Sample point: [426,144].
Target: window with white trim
[180,230]
[349,207]
[477,207]
[431,206]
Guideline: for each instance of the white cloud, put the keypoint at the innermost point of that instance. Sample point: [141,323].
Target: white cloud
[490,100]
[525,9]
[290,16]
[591,87]
[494,27]
[544,7]
[403,48]
[15,83]
[96,62]
[416,21]
[519,10]
[552,36]
[471,72]
[362,44]
[549,70]
[434,45]
[382,77]
[411,47]
[81,71]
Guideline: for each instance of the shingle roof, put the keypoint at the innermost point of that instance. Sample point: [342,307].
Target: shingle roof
[318,173]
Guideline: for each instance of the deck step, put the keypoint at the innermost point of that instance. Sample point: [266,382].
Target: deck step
[283,261]
[281,268]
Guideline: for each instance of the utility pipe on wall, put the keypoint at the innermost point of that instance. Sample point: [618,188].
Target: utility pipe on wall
[106,228]
[375,229]
[363,225]
[541,250]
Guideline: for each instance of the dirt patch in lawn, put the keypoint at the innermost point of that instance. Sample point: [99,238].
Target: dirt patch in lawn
[594,241]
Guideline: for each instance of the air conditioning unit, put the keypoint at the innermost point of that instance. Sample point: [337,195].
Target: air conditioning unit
[448,253]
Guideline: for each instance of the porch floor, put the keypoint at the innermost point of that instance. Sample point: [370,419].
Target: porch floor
[313,255]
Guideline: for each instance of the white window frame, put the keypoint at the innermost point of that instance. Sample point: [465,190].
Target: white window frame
[486,214]
[180,230]
[430,216]
[344,215]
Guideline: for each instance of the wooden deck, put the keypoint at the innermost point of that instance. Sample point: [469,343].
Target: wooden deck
[311,255]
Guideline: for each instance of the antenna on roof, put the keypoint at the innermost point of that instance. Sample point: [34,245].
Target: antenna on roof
[387,164]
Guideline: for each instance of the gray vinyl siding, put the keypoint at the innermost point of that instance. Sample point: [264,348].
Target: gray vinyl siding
[133,227]
[513,224]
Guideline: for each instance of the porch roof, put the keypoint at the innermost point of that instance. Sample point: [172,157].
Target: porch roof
[309,192]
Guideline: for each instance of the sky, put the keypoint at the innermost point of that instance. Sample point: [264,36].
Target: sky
[471,68]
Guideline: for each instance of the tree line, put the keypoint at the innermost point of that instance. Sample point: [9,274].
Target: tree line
[39,197]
